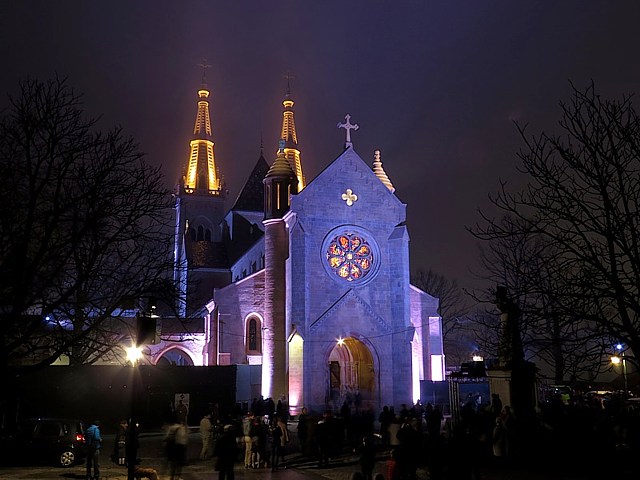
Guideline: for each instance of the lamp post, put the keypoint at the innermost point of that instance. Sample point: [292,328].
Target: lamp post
[619,359]
[134,354]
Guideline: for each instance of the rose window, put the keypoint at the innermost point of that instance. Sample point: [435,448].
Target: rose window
[349,256]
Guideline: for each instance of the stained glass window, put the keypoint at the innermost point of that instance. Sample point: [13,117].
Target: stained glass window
[349,256]
[253,334]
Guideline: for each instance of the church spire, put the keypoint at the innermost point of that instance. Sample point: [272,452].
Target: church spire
[380,173]
[290,137]
[202,176]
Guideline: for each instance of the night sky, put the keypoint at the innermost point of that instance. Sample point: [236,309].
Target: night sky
[435,86]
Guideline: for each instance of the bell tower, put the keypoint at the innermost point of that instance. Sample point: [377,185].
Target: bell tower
[199,205]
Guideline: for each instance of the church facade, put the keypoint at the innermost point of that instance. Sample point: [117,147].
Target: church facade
[309,280]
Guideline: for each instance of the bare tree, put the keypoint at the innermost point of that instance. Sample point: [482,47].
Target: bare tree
[578,222]
[83,230]
[548,336]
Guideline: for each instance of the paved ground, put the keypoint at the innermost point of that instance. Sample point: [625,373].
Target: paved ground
[341,468]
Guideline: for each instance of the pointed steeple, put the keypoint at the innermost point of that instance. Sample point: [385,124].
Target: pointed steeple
[202,175]
[380,173]
[290,137]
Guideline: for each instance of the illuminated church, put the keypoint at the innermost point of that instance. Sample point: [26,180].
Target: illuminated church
[309,279]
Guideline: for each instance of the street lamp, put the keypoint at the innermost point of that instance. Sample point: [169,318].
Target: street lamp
[134,354]
[620,359]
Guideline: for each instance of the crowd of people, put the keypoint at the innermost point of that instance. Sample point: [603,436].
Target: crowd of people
[399,441]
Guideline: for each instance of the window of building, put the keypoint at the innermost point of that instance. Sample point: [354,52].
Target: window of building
[207,235]
[200,233]
[253,336]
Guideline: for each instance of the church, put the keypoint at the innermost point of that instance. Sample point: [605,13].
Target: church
[310,280]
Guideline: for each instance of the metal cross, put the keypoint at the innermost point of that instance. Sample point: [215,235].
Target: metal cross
[204,65]
[348,127]
[349,196]
[288,76]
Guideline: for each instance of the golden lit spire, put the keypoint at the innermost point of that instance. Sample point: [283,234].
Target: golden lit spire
[290,137]
[202,174]
[380,173]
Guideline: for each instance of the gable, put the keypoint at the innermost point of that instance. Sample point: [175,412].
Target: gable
[349,191]
[352,311]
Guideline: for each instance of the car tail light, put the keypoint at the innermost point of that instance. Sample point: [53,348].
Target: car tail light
[79,437]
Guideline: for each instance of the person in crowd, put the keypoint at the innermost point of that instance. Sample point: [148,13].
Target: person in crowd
[247,423]
[225,452]
[182,411]
[434,422]
[499,441]
[408,449]
[276,438]
[282,409]
[303,431]
[496,405]
[385,418]
[324,438]
[367,455]
[120,445]
[176,440]
[93,441]
[256,458]
[284,438]
[206,436]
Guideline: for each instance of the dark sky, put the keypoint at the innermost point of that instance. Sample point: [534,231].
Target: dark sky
[436,85]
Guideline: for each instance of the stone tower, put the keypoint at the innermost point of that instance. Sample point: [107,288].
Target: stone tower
[279,184]
[200,197]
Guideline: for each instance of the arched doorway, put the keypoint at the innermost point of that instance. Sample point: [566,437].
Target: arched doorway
[352,375]
[175,356]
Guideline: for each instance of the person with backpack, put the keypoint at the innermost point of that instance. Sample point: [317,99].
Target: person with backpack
[93,441]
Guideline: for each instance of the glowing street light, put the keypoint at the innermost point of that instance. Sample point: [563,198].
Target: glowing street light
[134,354]
[621,360]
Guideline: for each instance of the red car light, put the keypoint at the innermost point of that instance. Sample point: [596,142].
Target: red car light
[79,437]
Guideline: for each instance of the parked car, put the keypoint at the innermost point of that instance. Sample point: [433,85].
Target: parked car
[57,441]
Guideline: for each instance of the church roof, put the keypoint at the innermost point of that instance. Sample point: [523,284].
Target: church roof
[251,197]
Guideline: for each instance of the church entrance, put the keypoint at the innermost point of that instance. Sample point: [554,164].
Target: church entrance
[352,375]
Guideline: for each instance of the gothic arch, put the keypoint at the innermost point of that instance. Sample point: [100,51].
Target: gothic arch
[353,370]
[253,334]
[175,356]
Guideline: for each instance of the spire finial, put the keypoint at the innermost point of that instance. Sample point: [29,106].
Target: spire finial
[261,146]
[204,65]
[348,126]
[380,173]
[288,76]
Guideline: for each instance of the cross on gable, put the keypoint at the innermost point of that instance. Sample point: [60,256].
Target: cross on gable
[348,126]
